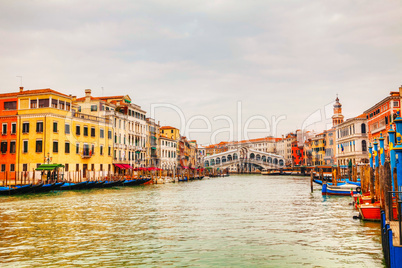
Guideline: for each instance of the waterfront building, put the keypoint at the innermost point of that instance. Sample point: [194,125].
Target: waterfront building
[318,149]
[289,139]
[193,153]
[129,131]
[380,115]
[53,130]
[330,147]
[168,155]
[170,132]
[308,153]
[297,154]
[352,141]
[152,145]
[9,129]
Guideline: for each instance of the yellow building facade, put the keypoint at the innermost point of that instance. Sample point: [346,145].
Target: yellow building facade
[52,130]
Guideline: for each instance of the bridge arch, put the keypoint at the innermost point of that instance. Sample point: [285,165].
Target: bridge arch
[252,156]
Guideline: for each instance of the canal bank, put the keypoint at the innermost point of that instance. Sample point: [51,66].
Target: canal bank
[237,221]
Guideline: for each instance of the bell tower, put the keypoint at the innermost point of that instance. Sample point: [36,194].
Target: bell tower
[337,118]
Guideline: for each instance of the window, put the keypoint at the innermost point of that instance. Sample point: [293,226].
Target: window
[61,103]
[4,129]
[68,106]
[55,146]
[12,147]
[54,103]
[92,149]
[101,133]
[92,166]
[39,126]
[25,127]
[85,150]
[55,126]
[396,103]
[67,147]
[109,134]
[109,152]
[66,167]
[77,130]
[38,146]
[34,104]
[43,103]
[92,132]
[77,167]
[3,167]
[363,128]
[79,109]
[101,167]
[13,128]
[94,108]
[12,167]
[85,131]
[101,150]
[77,148]
[24,167]
[10,105]
[25,146]
[364,145]
[3,147]
[67,128]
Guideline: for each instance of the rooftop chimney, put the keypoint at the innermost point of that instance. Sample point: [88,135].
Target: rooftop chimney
[21,89]
[87,93]
[400,91]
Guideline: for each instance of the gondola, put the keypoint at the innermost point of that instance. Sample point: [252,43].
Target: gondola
[74,186]
[109,184]
[15,190]
[47,187]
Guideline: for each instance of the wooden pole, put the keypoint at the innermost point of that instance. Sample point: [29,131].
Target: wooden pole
[377,183]
[396,183]
[311,181]
[372,185]
[387,188]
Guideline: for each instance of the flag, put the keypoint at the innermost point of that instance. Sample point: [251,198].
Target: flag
[342,147]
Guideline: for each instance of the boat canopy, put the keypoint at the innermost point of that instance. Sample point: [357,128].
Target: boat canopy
[49,166]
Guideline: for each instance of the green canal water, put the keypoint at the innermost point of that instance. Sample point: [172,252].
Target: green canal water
[236,221]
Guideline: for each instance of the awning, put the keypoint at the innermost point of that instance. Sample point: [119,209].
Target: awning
[127,166]
[121,166]
[49,166]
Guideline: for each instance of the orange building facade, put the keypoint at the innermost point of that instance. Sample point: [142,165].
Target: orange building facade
[8,143]
[381,115]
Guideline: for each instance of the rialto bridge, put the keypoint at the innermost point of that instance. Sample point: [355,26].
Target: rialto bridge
[244,159]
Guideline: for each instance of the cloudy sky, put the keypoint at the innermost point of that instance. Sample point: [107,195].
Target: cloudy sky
[277,60]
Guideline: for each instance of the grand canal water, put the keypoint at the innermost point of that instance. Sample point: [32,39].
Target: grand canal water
[237,221]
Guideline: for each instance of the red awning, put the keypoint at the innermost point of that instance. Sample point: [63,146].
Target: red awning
[121,166]
[127,166]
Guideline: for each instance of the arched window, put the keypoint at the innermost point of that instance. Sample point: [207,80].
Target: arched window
[258,157]
[212,162]
[269,160]
[218,160]
[364,146]
[235,156]
[363,128]
[281,162]
[229,157]
[275,161]
[264,158]
[223,159]
[252,156]
[206,163]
